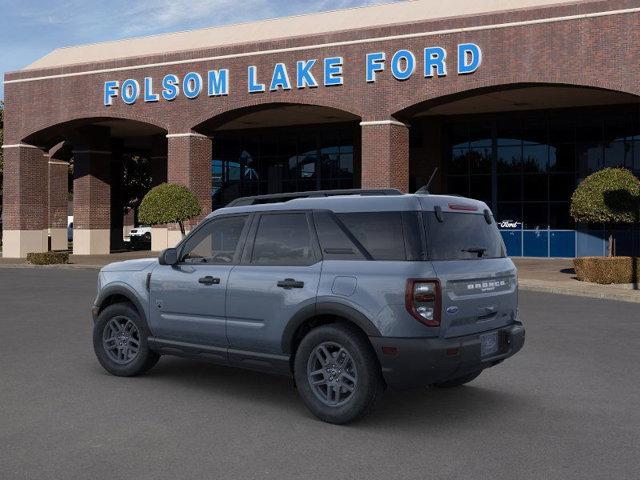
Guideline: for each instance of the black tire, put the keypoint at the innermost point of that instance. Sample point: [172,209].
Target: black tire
[366,390]
[456,382]
[139,363]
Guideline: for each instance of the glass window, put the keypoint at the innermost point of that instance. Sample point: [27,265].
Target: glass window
[509,159]
[283,239]
[458,185]
[480,160]
[535,216]
[216,242]
[535,158]
[509,187]
[481,187]
[462,236]
[559,217]
[334,242]
[380,233]
[534,187]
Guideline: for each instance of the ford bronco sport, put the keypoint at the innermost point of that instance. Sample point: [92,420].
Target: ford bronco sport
[348,292]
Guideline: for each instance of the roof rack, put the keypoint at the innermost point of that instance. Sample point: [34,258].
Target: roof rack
[285,197]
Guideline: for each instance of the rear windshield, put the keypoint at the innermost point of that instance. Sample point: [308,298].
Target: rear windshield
[462,236]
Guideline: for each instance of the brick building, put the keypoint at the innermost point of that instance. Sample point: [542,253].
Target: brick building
[513,101]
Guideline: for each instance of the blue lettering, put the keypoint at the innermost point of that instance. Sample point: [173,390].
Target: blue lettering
[130,91]
[333,71]
[469,58]
[375,63]
[110,92]
[280,78]
[218,82]
[254,87]
[304,77]
[403,64]
[170,87]
[192,85]
[149,96]
[434,58]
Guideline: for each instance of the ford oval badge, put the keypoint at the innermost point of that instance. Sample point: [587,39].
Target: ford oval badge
[452,309]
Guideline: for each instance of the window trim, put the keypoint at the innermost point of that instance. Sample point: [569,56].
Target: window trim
[247,253]
[239,247]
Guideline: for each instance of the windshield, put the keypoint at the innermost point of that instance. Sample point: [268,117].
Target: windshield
[462,236]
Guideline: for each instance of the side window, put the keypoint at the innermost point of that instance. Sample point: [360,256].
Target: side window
[380,233]
[334,242]
[216,242]
[283,239]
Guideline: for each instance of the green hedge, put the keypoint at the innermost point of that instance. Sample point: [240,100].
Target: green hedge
[48,258]
[607,270]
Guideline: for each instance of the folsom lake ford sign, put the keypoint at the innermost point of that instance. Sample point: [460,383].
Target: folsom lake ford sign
[308,73]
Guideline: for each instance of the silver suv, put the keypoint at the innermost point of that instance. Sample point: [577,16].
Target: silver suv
[348,292]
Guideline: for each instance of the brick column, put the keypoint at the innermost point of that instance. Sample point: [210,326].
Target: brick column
[91,191]
[385,155]
[158,160]
[58,191]
[91,202]
[25,209]
[159,233]
[189,164]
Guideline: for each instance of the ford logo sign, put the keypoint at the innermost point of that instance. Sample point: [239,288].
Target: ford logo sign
[452,309]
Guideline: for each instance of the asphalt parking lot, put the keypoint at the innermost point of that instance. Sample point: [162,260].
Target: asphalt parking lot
[566,407]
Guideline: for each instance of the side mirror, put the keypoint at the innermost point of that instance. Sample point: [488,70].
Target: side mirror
[168,257]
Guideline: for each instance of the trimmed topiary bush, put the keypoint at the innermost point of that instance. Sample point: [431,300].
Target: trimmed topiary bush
[169,203]
[48,258]
[606,270]
[611,195]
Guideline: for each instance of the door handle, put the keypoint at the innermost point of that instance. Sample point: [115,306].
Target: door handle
[289,283]
[209,280]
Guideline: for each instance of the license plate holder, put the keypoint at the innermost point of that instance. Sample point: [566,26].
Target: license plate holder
[489,344]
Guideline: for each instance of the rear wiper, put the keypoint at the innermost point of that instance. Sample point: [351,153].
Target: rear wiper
[478,250]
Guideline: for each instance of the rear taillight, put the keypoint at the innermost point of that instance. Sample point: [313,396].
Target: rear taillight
[422,299]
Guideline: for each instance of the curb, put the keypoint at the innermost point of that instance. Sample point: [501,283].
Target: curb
[532,286]
[64,266]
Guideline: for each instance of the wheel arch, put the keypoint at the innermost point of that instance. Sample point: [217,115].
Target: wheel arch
[112,294]
[321,314]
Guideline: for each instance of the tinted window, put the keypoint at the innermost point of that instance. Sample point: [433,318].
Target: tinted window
[334,242]
[380,233]
[216,242]
[462,236]
[283,239]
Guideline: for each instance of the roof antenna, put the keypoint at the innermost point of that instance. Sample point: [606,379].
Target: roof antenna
[425,189]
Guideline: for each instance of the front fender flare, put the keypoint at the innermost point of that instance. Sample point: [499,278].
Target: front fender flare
[119,289]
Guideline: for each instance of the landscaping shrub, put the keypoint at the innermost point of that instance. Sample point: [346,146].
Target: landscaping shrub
[607,270]
[48,258]
[169,203]
[610,195]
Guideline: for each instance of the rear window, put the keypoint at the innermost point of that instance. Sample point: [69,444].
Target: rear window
[462,236]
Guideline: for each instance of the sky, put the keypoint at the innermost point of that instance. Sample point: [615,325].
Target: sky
[29,29]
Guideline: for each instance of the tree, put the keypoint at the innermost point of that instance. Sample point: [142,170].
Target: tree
[169,203]
[611,195]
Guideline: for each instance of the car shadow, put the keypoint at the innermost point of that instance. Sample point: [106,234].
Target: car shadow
[413,409]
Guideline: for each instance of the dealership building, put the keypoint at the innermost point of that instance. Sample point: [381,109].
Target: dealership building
[513,101]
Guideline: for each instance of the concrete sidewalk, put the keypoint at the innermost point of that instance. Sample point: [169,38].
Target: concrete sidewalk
[536,274]
[556,275]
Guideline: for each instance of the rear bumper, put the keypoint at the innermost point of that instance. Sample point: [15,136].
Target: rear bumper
[419,362]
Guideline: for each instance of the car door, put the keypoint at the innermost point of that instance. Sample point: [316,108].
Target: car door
[278,276]
[188,299]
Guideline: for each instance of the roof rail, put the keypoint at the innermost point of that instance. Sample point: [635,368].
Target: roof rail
[285,197]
